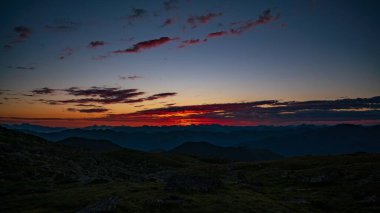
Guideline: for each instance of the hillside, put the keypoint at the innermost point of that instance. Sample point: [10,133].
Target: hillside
[207,150]
[90,145]
[40,176]
[339,139]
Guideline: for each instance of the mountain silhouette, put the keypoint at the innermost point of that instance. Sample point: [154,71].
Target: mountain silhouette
[207,150]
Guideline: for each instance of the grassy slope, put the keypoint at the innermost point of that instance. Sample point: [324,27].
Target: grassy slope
[347,183]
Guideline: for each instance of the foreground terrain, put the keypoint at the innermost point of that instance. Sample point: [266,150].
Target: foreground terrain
[40,176]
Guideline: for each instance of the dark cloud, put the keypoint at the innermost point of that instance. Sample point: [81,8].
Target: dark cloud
[137,13]
[168,22]
[95,44]
[139,106]
[100,57]
[186,43]
[62,26]
[67,51]
[22,67]
[146,45]
[59,28]
[43,91]
[7,46]
[171,4]
[160,95]
[23,32]
[262,113]
[194,21]
[264,18]
[7,98]
[4,91]
[270,112]
[99,95]
[87,105]
[103,92]
[130,77]
[90,110]
[25,68]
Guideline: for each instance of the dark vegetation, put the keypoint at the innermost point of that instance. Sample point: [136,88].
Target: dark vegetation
[40,176]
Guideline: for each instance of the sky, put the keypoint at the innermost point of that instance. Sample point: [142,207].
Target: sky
[182,62]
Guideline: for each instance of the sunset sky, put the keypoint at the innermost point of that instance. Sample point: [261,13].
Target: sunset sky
[182,62]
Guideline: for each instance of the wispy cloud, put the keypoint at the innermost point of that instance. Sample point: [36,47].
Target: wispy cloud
[98,95]
[217,34]
[95,44]
[242,27]
[189,42]
[169,21]
[22,67]
[43,91]
[90,110]
[62,26]
[194,21]
[66,52]
[146,45]
[23,32]
[130,77]
[160,95]
[171,4]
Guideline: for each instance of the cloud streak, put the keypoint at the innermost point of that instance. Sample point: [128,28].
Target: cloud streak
[194,21]
[171,4]
[130,77]
[98,95]
[95,44]
[138,47]
[90,110]
[270,112]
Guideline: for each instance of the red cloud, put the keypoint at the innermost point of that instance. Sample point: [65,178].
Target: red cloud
[217,34]
[242,27]
[146,45]
[264,18]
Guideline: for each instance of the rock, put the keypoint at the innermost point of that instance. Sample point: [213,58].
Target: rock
[167,202]
[108,204]
[192,183]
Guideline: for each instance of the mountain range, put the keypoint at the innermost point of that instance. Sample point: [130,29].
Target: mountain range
[284,140]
